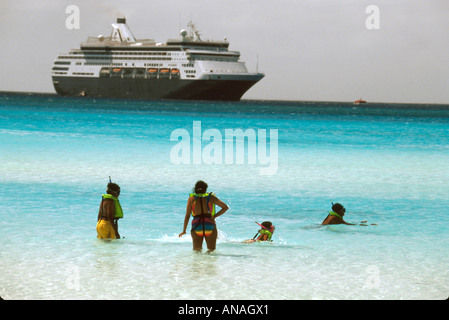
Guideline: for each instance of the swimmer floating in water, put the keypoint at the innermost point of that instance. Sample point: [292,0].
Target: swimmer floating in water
[336,215]
[264,234]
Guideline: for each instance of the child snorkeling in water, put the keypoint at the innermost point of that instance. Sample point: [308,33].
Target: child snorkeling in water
[264,234]
[336,216]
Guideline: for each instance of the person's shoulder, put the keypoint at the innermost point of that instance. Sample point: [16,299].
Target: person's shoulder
[107,201]
[333,220]
[213,197]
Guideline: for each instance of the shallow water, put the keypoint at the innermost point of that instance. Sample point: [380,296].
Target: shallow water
[386,163]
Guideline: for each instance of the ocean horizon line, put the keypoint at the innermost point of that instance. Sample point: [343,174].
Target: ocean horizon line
[368,104]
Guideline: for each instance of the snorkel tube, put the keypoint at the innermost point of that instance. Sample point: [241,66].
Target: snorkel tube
[264,227]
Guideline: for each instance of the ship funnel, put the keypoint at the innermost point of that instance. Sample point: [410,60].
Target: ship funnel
[121,32]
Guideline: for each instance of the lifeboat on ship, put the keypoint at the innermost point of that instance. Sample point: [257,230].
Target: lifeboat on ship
[174,73]
[152,72]
[164,73]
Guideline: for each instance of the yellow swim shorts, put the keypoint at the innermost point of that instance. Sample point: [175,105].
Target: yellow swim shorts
[105,230]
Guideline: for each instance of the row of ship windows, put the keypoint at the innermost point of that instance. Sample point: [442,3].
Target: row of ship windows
[153,70]
[154,53]
[113,64]
[188,76]
[80,73]
[156,73]
[60,68]
[116,64]
[74,73]
[98,64]
[108,63]
[103,70]
[116,58]
[108,58]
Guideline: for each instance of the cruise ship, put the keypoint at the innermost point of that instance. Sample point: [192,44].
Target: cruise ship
[121,66]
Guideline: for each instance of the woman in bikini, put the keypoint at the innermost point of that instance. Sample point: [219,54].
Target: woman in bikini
[201,206]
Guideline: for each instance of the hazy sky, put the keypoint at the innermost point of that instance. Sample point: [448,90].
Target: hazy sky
[308,49]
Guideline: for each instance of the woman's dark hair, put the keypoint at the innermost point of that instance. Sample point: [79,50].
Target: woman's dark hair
[200,187]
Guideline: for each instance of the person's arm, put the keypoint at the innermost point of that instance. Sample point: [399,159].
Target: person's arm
[100,211]
[187,217]
[341,221]
[109,207]
[115,226]
[224,207]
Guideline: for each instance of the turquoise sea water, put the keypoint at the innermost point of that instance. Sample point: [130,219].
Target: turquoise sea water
[387,164]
